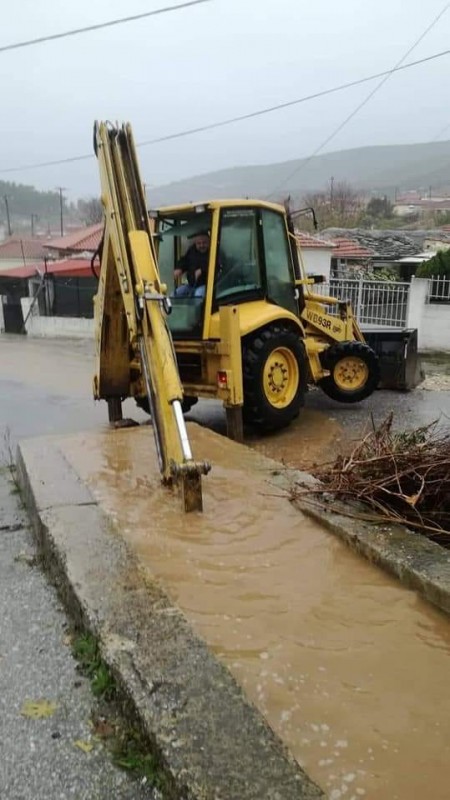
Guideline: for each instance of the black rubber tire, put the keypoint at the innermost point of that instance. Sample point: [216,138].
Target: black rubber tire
[186,405]
[256,349]
[330,359]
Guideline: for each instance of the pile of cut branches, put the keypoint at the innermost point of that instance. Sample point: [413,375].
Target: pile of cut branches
[403,477]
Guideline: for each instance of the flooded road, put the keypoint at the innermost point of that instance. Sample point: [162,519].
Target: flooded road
[349,668]
[46,387]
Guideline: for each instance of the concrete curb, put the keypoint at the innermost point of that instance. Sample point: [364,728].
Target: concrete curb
[418,562]
[211,742]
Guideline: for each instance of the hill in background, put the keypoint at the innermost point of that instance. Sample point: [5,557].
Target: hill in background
[381,169]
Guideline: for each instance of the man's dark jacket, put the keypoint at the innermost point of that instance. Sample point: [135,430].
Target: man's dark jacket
[192,261]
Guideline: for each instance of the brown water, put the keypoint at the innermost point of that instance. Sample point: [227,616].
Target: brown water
[349,668]
[313,438]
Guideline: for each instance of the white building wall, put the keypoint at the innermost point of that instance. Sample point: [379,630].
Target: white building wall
[69,327]
[434,333]
[432,320]
[317,260]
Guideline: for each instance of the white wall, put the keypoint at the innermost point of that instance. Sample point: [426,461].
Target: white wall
[317,260]
[432,320]
[70,327]
[434,333]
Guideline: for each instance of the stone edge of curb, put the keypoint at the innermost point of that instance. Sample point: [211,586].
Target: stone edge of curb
[416,561]
[160,701]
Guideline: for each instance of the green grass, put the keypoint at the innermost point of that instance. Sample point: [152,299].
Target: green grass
[131,753]
[86,651]
[128,748]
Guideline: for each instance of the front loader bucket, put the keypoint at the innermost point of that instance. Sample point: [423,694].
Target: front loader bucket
[399,360]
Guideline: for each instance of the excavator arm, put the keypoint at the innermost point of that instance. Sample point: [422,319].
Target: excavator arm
[133,342]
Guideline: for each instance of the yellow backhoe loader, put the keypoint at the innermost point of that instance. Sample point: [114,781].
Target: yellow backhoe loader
[255,334]
[246,329]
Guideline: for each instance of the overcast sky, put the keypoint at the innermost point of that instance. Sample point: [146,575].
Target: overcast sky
[206,63]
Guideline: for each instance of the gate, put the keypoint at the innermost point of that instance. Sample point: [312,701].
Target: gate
[12,314]
[377,304]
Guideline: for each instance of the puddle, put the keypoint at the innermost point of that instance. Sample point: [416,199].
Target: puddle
[349,668]
[313,438]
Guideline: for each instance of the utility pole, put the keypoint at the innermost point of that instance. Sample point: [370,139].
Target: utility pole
[61,189]
[331,191]
[33,218]
[5,198]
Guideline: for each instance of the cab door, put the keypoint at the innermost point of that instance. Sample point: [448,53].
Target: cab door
[279,269]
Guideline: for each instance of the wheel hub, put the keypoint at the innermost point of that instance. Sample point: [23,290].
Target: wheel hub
[351,373]
[278,376]
[281,377]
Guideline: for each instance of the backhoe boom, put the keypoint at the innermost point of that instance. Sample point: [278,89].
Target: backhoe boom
[130,311]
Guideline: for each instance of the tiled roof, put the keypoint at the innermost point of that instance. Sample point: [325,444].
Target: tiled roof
[348,248]
[80,240]
[20,247]
[71,267]
[382,244]
[309,242]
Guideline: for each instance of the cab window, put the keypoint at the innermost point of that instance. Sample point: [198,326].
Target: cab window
[238,263]
[173,238]
[277,256]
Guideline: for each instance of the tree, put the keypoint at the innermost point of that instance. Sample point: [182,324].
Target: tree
[438,266]
[379,207]
[340,206]
[90,210]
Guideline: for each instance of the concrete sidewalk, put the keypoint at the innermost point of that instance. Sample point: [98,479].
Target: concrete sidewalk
[39,758]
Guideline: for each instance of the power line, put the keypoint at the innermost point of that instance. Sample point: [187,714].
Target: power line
[398,66]
[88,28]
[240,118]
[441,131]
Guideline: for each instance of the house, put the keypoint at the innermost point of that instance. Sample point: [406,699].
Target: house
[437,241]
[63,288]
[409,206]
[388,248]
[83,240]
[315,253]
[348,254]
[18,251]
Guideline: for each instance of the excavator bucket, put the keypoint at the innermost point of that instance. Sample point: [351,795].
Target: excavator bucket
[398,358]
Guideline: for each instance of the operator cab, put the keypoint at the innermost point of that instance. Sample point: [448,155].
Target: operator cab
[249,259]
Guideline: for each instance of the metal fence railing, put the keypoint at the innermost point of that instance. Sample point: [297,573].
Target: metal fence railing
[438,290]
[375,303]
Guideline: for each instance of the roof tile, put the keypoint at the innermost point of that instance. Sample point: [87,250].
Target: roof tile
[79,241]
[21,247]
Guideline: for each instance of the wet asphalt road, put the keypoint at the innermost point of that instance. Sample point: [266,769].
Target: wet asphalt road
[45,388]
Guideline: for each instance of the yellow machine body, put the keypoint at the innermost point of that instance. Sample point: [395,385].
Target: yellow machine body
[209,346]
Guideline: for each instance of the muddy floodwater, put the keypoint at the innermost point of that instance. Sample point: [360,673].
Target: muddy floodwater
[349,668]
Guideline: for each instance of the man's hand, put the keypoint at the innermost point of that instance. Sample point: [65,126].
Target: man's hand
[177,273]
[198,274]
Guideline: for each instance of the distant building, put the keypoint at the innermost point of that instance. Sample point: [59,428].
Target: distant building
[18,251]
[410,205]
[82,240]
[316,254]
